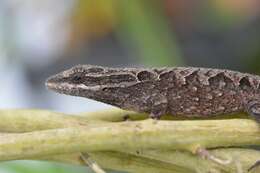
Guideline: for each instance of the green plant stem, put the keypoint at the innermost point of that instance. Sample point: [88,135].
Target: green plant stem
[27,120]
[147,134]
[156,160]
[124,139]
[120,161]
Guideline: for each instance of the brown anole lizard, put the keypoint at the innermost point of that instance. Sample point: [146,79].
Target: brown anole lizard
[185,91]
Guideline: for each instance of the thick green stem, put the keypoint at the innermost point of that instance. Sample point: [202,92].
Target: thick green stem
[158,160]
[147,134]
[129,142]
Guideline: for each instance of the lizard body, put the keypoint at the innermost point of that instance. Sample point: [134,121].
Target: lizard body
[186,91]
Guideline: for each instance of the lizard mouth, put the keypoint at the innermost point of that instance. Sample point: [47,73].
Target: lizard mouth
[55,83]
[59,87]
[60,84]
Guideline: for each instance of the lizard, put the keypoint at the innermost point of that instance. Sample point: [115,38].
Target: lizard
[184,91]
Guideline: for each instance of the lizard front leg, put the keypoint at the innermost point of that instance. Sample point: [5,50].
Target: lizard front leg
[159,108]
[253,109]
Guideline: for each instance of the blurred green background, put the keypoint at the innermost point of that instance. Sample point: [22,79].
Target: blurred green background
[40,38]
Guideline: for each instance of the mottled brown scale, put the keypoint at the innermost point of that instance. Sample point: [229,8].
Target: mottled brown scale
[185,91]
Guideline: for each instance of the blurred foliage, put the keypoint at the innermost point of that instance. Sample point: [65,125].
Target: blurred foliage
[94,19]
[25,166]
[254,64]
[142,25]
[236,8]
[219,18]
[40,167]
[146,27]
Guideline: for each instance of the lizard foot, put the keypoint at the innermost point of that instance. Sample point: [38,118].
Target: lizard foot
[126,117]
[253,108]
[206,155]
[155,116]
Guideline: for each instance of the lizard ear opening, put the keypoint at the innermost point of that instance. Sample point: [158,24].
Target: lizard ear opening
[145,76]
[244,83]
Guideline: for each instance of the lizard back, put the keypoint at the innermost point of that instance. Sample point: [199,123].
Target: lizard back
[205,91]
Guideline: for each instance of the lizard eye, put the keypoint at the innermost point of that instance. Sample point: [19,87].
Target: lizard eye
[77,78]
[145,75]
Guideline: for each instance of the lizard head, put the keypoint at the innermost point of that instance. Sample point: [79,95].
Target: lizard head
[87,79]
[128,88]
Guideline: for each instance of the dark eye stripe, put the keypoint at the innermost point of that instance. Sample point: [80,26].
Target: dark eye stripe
[120,78]
[94,70]
[107,80]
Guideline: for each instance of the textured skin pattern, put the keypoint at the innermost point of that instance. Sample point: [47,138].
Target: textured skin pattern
[185,91]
